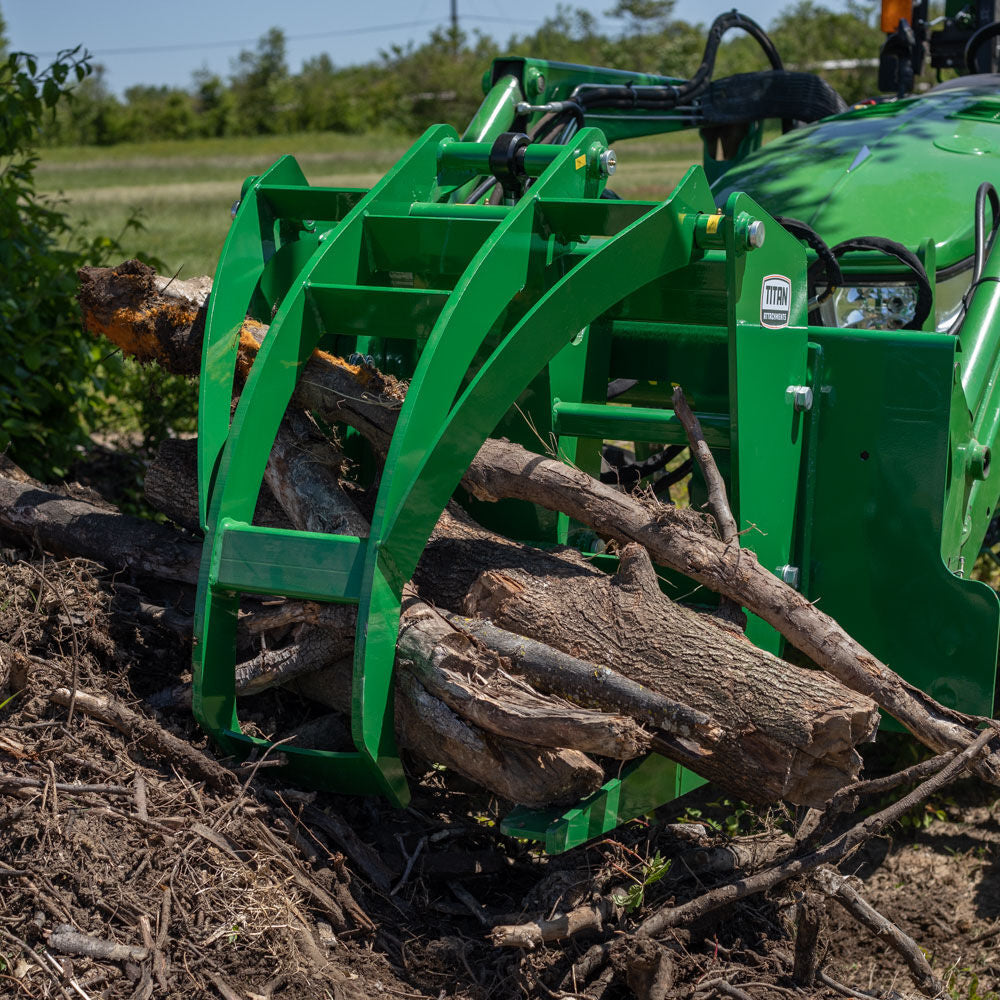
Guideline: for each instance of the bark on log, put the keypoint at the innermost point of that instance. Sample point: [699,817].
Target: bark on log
[303,465]
[125,304]
[787,732]
[552,671]
[460,549]
[120,542]
[470,679]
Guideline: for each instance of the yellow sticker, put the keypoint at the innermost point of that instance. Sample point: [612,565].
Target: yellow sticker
[581,161]
[712,223]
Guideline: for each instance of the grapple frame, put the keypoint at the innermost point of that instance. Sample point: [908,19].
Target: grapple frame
[540,302]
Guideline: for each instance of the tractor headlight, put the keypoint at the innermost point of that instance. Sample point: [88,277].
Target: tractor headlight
[870,307]
[890,306]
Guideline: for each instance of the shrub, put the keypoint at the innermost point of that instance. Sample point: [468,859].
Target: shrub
[48,366]
[56,383]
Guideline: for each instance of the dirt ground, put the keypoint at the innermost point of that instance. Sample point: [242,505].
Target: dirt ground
[223,881]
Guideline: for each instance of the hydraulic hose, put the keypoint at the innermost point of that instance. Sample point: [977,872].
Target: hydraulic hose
[984,244]
[667,96]
[925,297]
[825,257]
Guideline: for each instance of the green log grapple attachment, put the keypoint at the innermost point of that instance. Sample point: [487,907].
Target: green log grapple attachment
[857,455]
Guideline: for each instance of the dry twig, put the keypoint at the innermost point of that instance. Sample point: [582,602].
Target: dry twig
[830,853]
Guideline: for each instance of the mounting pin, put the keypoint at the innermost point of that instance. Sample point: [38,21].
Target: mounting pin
[756,232]
[790,575]
[609,162]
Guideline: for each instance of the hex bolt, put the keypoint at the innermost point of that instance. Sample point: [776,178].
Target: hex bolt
[790,574]
[756,232]
[978,459]
[800,396]
[609,162]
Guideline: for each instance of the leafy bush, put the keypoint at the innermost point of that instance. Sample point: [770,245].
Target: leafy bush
[50,370]
[56,383]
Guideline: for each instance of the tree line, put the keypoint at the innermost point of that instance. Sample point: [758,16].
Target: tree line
[411,86]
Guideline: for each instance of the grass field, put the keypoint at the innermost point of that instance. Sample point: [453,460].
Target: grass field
[184,190]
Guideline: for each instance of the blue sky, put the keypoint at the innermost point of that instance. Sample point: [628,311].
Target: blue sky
[191,34]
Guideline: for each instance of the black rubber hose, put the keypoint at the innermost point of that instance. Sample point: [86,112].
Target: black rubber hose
[986,32]
[772,93]
[825,257]
[665,482]
[620,385]
[628,475]
[662,97]
[983,243]
[925,298]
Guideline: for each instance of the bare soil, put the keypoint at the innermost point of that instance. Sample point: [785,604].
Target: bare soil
[254,890]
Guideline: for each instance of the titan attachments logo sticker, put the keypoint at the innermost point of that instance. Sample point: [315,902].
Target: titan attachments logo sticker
[775,301]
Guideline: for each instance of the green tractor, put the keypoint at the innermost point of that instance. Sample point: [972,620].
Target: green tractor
[830,303]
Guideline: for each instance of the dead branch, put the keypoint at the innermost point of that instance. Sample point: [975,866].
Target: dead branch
[828,854]
[68,941]
[838,887]
[559,927]
[149,734]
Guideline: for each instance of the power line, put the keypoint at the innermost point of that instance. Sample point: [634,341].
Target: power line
[230,43]
[337,33]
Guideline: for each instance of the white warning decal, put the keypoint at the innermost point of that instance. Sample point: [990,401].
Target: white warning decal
[775,301]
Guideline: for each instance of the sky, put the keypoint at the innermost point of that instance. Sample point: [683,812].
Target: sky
[164,43]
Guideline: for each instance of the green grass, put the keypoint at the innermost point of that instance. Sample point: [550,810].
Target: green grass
[183,191]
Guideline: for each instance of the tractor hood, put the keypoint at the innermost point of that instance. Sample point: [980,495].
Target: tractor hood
[906,170]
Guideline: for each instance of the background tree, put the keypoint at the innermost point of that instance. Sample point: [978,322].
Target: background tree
[213,103]
[263,95]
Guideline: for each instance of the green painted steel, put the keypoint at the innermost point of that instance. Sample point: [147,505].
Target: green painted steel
[643,787]
[881,491]
[633,423]
[302,564]
[875,496]
[904,170]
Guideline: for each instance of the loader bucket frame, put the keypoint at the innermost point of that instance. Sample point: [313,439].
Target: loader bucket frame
[539,302]
[543,270]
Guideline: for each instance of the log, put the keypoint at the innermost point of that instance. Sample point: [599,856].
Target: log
[811,763]
[788,733]
[78,528]
[800,752]
[125,305]
[452,562]
[530,775]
